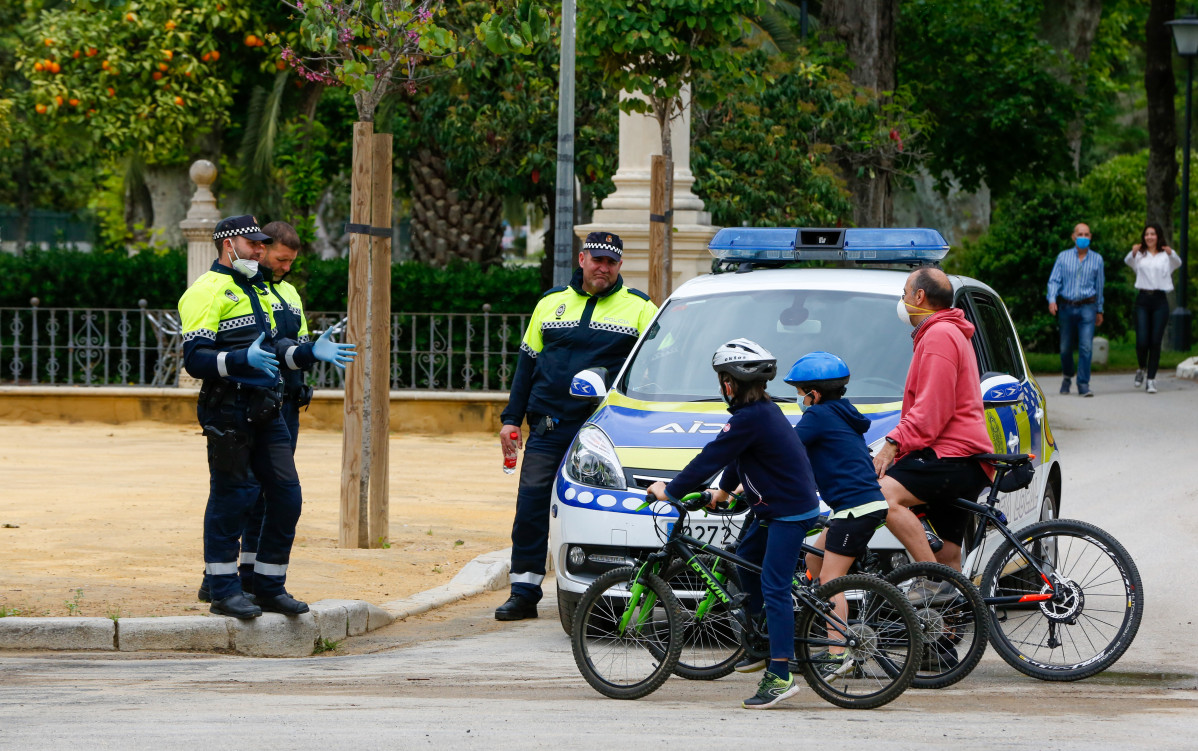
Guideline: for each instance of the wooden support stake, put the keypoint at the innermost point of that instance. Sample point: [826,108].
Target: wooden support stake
[660,223]
[353,530]
[380,343]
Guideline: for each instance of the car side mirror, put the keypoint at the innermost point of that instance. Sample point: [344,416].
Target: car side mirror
[590,385]
[1001,391]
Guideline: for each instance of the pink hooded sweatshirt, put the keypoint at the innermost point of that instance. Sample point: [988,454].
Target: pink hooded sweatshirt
[942,400]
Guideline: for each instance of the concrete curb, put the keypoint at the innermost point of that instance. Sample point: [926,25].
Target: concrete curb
[272,635]
[1188,369]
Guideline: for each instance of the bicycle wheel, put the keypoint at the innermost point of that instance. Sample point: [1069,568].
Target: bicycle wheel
[631,660]
[882,639]
[1091,620]
[955,622]
[710,639]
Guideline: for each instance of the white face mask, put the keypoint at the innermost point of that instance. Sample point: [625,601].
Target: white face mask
[248,269]
[903,315]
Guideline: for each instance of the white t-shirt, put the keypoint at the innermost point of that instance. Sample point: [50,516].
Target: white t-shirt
[1154,271]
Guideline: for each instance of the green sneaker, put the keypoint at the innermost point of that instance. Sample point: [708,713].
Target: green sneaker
[770,691]
[832,666]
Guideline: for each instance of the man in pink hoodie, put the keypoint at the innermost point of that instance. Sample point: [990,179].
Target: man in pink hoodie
[942,423]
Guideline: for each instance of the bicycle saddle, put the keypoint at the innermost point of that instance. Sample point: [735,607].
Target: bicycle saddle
[1011,459]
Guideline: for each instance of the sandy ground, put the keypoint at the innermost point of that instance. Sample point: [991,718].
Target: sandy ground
[107,520]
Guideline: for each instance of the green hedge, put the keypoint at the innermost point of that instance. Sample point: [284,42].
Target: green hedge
[73,279]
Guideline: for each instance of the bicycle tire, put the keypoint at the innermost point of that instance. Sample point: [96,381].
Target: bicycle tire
[886,643]
[711,645]
[955,631]
[637,662]
[1089,626]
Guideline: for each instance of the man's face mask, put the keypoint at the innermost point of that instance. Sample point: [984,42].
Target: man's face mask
[1083,242]
[248,269]
[904,310]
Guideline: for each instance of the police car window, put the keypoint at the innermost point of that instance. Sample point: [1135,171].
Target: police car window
[673,362]
[1002,348]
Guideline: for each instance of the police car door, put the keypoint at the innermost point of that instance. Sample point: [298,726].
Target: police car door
[1013,428]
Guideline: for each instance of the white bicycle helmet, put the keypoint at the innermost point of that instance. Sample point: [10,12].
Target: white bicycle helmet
[745,361]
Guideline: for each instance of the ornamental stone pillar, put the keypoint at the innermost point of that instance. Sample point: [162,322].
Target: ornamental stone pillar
[201,220]
[626,211]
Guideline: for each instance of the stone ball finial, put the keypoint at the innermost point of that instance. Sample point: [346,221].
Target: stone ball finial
[203,173]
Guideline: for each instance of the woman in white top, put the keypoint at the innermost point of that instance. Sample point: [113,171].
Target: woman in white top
[1154,263]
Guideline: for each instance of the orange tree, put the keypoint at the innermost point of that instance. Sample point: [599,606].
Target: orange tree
[150,75]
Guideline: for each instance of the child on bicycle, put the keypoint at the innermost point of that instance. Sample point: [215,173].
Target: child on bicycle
[833,432]
[759,450]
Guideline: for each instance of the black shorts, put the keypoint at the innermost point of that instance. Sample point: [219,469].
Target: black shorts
[937,482]
[850,535]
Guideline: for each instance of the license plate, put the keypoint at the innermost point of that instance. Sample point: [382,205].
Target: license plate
[708,533]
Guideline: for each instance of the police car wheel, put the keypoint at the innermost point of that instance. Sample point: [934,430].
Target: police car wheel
[567,603]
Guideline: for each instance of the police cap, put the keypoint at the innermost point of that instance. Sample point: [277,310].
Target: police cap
[241,226]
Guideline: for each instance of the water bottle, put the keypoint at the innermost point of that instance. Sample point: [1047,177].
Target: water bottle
[934,540]
[509,457]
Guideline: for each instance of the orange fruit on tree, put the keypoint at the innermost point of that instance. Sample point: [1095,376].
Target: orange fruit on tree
[48,42]
[280,65]
[163,67]
[76,54]
[187,73]
[215,55]
[206,56]
[251,41]
[73,102]
[41,109]
[55,67]
[91,51]
[165,86]
[105,65]
[39,67]
[111,91]
[168,54]
[179,101]
[130,17]
[156,76]
[170,25]
[58,100]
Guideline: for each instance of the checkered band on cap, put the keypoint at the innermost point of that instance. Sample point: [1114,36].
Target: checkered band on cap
[605,241]
[604,246]
[253,228]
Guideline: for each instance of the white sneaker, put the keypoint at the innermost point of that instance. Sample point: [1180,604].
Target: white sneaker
[1139,378]
[1151,386]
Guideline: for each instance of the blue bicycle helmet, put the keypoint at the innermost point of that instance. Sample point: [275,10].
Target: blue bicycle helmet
[818,368]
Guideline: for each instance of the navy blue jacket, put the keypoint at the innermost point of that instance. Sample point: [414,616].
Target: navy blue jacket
[834,435]
[759,449]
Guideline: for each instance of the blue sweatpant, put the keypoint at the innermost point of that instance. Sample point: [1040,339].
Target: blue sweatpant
[775,546]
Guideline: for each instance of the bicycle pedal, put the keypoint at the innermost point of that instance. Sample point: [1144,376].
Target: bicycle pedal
[738,601]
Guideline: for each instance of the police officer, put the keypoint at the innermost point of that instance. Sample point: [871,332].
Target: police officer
[291,331]
[230,343]
[592,322]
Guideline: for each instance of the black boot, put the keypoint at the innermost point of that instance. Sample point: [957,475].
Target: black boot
[517,608]
[238,606]
[205,595]
[281,603]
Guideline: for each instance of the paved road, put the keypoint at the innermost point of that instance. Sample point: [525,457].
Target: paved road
[457,678]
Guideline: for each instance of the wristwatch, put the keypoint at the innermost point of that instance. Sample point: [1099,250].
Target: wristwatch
[891,441]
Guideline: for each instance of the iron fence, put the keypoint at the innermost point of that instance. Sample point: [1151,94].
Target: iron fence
[143,347]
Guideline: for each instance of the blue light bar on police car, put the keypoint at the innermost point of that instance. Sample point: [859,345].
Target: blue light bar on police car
[785,244]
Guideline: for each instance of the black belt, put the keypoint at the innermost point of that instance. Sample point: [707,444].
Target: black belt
[1152,291]
[1083,301]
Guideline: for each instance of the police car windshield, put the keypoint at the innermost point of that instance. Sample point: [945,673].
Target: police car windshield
[673,362]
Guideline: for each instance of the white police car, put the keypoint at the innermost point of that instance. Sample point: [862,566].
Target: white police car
[664,405]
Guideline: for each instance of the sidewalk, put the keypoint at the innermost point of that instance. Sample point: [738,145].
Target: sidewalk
[105,521]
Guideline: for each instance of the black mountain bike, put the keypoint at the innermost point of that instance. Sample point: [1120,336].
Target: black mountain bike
[630,628]
[1060,600]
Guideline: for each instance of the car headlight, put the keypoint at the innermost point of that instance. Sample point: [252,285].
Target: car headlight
[592,460]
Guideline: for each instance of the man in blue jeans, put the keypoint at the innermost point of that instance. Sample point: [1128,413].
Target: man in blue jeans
[1075,298]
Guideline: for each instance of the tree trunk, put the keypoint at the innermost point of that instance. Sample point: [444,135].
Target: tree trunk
[1162,117]
[170,192]
[448,223]
[1070,27]
[866,28]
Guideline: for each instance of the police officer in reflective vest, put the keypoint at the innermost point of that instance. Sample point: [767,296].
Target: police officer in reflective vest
[230,343]
[592,322]
[291,331]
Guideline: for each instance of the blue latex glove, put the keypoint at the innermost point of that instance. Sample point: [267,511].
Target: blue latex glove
[262,359]
[327,350]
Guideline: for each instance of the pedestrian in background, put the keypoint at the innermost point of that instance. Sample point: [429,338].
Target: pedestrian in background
[1075,298]
[1154,263]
